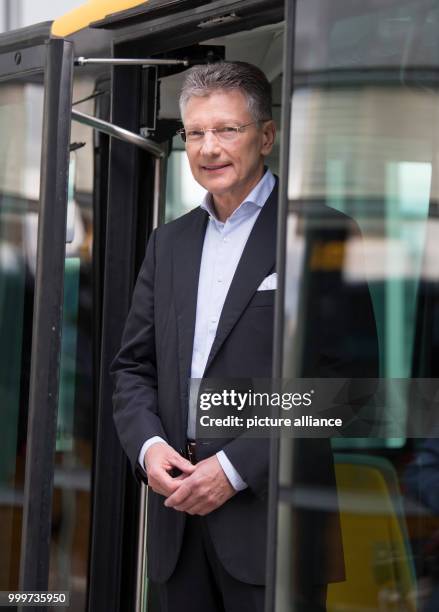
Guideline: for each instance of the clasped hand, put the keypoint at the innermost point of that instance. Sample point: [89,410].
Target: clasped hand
[199,489]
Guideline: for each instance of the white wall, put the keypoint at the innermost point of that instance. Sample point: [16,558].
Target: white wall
[28,12]
[44,10]
[9,14]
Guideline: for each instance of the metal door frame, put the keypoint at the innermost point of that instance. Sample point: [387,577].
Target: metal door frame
[278,348]
[47,322]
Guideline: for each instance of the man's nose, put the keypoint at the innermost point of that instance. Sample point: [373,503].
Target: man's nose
[210,143]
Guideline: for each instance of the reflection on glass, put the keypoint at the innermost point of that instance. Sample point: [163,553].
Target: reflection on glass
[71,511]
[21,112]
[361,288]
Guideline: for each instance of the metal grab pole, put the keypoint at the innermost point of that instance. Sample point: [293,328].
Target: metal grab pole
[112,61]
[120,133]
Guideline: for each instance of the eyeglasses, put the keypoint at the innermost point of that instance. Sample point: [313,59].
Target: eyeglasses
[228,133]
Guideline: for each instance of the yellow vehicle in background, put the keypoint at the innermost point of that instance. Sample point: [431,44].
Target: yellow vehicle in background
[90,163]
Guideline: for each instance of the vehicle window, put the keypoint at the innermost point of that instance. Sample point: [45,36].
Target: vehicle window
[361,289]
[183,193]
[21,118]
[71,511]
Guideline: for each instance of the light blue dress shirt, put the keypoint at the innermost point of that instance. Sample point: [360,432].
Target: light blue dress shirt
[223,245]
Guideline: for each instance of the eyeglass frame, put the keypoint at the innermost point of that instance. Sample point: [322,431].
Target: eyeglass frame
[239,129]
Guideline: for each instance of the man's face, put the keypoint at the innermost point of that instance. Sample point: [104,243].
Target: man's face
[226,169]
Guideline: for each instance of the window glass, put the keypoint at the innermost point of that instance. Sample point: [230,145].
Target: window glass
[183,193]
[361,297]
[21,117]
[71,512]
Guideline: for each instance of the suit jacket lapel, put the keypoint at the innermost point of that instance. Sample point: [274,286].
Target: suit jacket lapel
[257,261]
[187,260]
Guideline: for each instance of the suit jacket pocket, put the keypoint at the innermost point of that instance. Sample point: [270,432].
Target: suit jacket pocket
[262,298]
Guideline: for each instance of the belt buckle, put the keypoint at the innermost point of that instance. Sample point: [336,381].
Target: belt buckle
[190,450]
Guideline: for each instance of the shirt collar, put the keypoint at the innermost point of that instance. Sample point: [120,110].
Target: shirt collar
[257,196]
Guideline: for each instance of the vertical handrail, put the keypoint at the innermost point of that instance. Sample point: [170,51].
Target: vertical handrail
[141,584]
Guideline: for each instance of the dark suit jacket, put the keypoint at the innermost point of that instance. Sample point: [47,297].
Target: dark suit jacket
[151,375]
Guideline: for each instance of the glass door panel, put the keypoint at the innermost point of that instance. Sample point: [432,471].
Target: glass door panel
[33,108]
[71,518]
[361,303]
[21,120]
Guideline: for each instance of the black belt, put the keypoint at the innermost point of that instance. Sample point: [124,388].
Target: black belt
[191,451]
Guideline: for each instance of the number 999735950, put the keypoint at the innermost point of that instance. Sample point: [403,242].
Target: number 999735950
[35,598]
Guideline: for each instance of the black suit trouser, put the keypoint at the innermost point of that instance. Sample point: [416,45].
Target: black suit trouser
[200,583]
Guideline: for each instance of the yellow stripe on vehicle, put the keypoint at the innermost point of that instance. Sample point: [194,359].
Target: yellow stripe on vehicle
[91,11]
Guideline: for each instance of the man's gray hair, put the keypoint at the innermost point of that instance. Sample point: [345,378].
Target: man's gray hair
[204,79]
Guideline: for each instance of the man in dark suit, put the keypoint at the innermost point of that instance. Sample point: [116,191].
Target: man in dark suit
[203,307]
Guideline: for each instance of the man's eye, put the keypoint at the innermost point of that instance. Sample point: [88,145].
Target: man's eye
[227,129]
[194,133]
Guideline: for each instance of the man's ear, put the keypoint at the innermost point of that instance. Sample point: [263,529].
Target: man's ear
[268,136]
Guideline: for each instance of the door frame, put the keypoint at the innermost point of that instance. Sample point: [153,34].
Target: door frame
[279,313]
[47,318]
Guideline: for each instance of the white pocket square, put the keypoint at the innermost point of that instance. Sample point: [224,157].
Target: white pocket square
[269,282]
